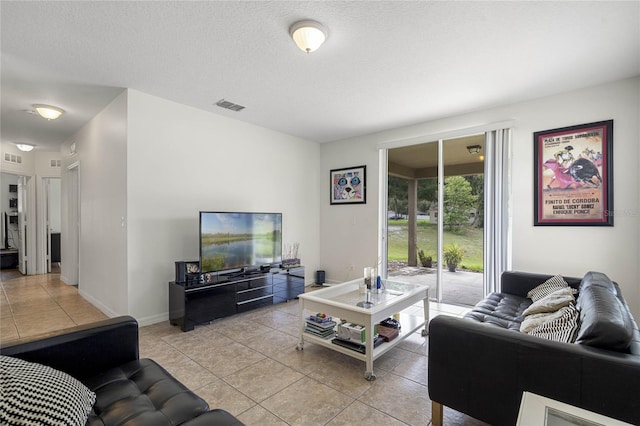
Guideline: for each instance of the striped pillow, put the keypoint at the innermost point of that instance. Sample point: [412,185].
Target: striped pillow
[547,287]
[562,329]
[34,394]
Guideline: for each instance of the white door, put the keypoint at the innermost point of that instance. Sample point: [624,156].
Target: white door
[22,224]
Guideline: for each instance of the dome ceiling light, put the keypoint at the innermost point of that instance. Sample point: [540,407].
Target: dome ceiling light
[25,147]
[47,111]
[308,35]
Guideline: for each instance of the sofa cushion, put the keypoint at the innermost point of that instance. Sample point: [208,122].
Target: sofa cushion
[546,288]
[502,310]
[559,328]
[534,320]
[142,392]
[551,303]
[605,321]
[34,394]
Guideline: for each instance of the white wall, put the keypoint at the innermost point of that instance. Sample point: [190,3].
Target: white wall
[181,160]
[566,250]
[349,232]
[101,148]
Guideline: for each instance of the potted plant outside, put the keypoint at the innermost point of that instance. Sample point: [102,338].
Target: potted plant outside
[452,256]
[425,261]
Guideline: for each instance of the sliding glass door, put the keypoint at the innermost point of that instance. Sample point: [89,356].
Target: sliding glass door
[434,215]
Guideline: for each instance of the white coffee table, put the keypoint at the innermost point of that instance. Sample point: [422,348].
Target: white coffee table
[341,301]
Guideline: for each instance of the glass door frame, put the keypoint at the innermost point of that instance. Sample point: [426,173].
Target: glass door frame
[383,202]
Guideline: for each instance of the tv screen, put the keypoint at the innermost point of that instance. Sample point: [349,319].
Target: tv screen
[231,241]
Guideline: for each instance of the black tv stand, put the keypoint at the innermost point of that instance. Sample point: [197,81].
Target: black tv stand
[228,294]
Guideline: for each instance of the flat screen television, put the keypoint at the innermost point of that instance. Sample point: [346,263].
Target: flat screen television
[237,241]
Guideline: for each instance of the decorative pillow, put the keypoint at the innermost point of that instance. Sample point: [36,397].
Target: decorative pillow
[547,287]
[551,303]
[561,329]
[534,320]
[34,394]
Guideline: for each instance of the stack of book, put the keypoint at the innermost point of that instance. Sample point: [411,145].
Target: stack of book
[319,325]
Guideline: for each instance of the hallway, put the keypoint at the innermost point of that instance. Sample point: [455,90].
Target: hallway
[36,304]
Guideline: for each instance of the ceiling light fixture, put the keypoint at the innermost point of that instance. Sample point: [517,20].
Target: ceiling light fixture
[49,112]
[474,149]
[24,147]
[308,35]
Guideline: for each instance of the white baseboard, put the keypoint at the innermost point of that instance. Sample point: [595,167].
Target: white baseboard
[153,319]
[95,302]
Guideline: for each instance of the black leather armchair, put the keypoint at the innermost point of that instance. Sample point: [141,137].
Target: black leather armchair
[105,357]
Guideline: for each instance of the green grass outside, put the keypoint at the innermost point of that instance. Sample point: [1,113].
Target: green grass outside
[469,239]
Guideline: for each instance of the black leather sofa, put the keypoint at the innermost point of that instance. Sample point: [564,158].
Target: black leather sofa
[129,391]
[481,364]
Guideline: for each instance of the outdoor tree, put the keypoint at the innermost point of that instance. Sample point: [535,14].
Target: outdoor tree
[458,201]
[398,190]
[477,188]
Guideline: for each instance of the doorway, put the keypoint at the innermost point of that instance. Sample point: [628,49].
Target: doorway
[18,227]
[52,223]
[436,217]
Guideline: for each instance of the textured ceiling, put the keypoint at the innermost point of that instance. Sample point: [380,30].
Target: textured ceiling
[384,64]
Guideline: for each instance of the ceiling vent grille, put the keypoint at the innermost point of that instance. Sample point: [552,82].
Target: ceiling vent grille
[229,105]
[12,158]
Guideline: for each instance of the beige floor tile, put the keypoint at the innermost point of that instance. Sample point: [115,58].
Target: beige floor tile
[455,418]
[410,403]
[35,307]
[86,315]
[263,379]
[258,416]
[272,343]
[358,413]
[413,367]
[5,312]
[8,331]
[307,402]
[344,374]
[188,372]
[304,360]
[33,325]
[219,394]
[415,342]
[227,359]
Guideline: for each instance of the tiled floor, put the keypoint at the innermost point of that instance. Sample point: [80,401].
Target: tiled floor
[248,364]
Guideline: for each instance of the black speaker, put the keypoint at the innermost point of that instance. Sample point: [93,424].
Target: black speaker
[320,277]
[181,272]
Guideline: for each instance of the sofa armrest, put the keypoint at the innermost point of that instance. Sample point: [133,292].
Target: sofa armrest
[482,371]
[520,283]
[82,351]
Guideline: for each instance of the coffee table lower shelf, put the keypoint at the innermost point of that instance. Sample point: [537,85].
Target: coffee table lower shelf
[409,325]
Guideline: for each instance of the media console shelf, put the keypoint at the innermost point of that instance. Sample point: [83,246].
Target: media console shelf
[192,304]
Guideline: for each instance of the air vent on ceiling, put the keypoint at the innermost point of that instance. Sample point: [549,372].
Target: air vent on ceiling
[229,105]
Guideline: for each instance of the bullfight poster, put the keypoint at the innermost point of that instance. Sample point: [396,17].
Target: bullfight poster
[348,186]
[573,167]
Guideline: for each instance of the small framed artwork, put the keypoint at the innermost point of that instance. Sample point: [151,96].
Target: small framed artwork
[193,267]
[348,186]
[540,410]
[574,175]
